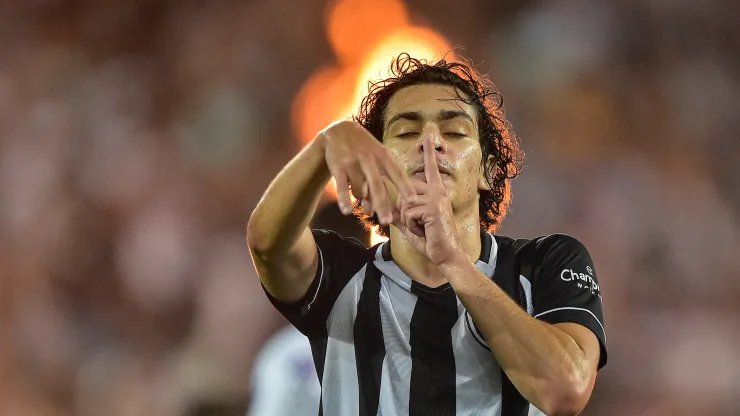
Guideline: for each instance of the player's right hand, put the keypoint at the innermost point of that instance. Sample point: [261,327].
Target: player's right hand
[358,161]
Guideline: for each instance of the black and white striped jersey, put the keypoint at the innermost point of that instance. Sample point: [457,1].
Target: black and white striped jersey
[384,344]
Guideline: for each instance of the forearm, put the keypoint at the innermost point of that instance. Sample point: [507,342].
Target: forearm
[290,201]
[544,363]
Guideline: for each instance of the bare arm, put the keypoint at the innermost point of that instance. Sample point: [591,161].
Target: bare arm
[552,366]
[280,241]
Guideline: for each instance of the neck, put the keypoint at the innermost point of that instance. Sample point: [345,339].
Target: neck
[418,267]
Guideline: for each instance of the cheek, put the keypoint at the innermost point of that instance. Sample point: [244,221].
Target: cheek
[468,161]
[400,154]
[467,164]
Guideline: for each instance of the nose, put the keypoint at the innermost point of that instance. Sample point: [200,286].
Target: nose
[439,144]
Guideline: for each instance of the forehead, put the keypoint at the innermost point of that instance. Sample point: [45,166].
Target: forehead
[427,99]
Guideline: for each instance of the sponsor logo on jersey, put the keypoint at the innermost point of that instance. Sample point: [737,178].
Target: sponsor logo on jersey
[584,281]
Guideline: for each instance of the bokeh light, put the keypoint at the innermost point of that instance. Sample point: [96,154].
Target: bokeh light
[365,37]
[355,27]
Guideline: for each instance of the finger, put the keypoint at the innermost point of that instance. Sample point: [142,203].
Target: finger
[396,215]
[420,188]
[365,190]
[378,194]
[399,202]
[391,190]
[413,220]
[358,184]
[416,187]
[398,223]
[399,217]
[431,171]
[367,207]
[402,212]
[343,193]
[399,178]
[417,229]
[418,200]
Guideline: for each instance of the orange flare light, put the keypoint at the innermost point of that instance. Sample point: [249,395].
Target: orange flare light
[324,98]
[354,27]
[365,36]
[418,42]
[376,238]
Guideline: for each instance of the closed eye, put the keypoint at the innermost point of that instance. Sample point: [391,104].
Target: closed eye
[408,134]
[455,134]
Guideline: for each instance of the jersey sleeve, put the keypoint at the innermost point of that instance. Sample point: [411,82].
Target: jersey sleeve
[339,259]
[565,287]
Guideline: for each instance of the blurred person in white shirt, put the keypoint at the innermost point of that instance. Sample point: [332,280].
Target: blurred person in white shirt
[284,380]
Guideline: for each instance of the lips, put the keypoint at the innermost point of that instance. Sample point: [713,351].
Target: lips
[442,170]
[419,173]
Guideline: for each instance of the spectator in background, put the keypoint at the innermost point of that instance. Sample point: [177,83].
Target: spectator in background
[284,377]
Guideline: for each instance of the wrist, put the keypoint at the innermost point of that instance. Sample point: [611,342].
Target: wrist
[455,264]
[320,140]
[317,147]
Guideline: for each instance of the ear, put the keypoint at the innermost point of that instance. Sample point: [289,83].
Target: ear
[487,171]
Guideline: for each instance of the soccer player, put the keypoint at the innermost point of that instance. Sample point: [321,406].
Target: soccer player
[444,318]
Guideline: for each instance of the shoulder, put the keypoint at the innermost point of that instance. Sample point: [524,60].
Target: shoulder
[544,245]
[558,243]
[339,255]
[329,237]
[562,257]
[548,251]
[332,243]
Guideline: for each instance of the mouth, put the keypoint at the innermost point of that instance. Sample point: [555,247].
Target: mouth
[419,172]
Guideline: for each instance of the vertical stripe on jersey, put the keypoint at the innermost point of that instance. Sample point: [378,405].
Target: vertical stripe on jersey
[479,374]
[512,402]
[339,383]
[369,346]
[433,376]
[318,350]
[397,305]
[527,292]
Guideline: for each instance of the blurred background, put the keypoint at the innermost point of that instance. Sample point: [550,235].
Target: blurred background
[136,137]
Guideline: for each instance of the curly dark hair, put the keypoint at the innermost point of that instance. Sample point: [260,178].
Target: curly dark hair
[497,137]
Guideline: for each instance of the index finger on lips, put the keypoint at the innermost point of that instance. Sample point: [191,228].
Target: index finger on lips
[431,171]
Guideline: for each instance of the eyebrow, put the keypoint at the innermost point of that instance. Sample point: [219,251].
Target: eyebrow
[442,115]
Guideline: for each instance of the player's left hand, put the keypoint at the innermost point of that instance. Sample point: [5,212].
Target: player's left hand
[426,219]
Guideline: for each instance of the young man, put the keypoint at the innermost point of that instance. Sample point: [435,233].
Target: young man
[445,318]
